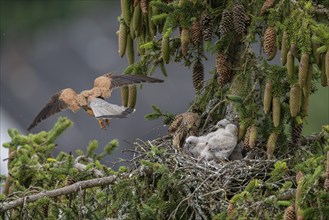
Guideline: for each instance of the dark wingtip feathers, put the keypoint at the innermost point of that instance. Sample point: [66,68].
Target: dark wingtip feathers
[52,107]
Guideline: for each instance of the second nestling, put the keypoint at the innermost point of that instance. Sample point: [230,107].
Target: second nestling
[215,145]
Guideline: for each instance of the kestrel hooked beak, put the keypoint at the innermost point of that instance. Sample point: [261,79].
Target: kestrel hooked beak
[92,101]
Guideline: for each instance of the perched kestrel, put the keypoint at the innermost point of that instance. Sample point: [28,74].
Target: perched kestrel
[184,124]
[92,101]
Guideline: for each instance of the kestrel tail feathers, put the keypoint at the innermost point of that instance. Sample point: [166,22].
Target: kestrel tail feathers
[103,109]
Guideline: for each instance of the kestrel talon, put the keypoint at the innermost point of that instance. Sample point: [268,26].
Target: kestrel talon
[92,101]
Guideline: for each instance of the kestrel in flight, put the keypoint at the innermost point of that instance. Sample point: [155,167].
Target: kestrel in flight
[92,101]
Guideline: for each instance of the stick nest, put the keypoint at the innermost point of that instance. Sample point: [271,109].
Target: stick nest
[207,186]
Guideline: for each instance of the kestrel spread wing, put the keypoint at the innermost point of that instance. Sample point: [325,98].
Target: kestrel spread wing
[103,109]
[110,81]
[54,105]
[90,100]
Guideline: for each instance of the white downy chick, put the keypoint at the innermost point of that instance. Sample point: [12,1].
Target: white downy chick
[195,145]
[223,143]
[206,154]
[222,123]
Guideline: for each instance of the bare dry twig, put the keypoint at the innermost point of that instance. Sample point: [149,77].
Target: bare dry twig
[58,192]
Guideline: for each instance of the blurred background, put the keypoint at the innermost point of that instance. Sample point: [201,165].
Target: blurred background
[50,45]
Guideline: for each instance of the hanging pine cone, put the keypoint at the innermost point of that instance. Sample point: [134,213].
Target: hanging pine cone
[293,49]
[165,50]
[307,92]
[253,136]
[303,69]
[207,26]
[125,6]
[276,111]
[246,140]
[267,101]
[239,19]
[144,4]
[267,5]
[270,43]
[132,96]
[122,40]
[223,68]
[289,213]
[226,22]
[296,132]
[196,33]
[124,95]
[185,39]
[290,65]
[284,48]
[271,143]
[295,99]
[198,75]
[242,131]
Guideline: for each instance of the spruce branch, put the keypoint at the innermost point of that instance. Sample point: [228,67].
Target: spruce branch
[60,191]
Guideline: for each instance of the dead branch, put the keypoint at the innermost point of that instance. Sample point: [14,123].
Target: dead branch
[58,192]
[81,167]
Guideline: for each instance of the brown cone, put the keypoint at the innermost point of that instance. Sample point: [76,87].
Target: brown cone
[289,213]
[239,19]
[223,68]
[226,22]
[246,140]
[198,75]
[270,42]
[196,33]
[267,5]
[271,143]
[207,26]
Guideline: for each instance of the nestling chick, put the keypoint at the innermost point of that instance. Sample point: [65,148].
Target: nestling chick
[222,123]
[194,145]
[223,143]
[205,153]
[218,144]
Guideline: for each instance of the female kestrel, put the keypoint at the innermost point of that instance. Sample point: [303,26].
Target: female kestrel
[92,101]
